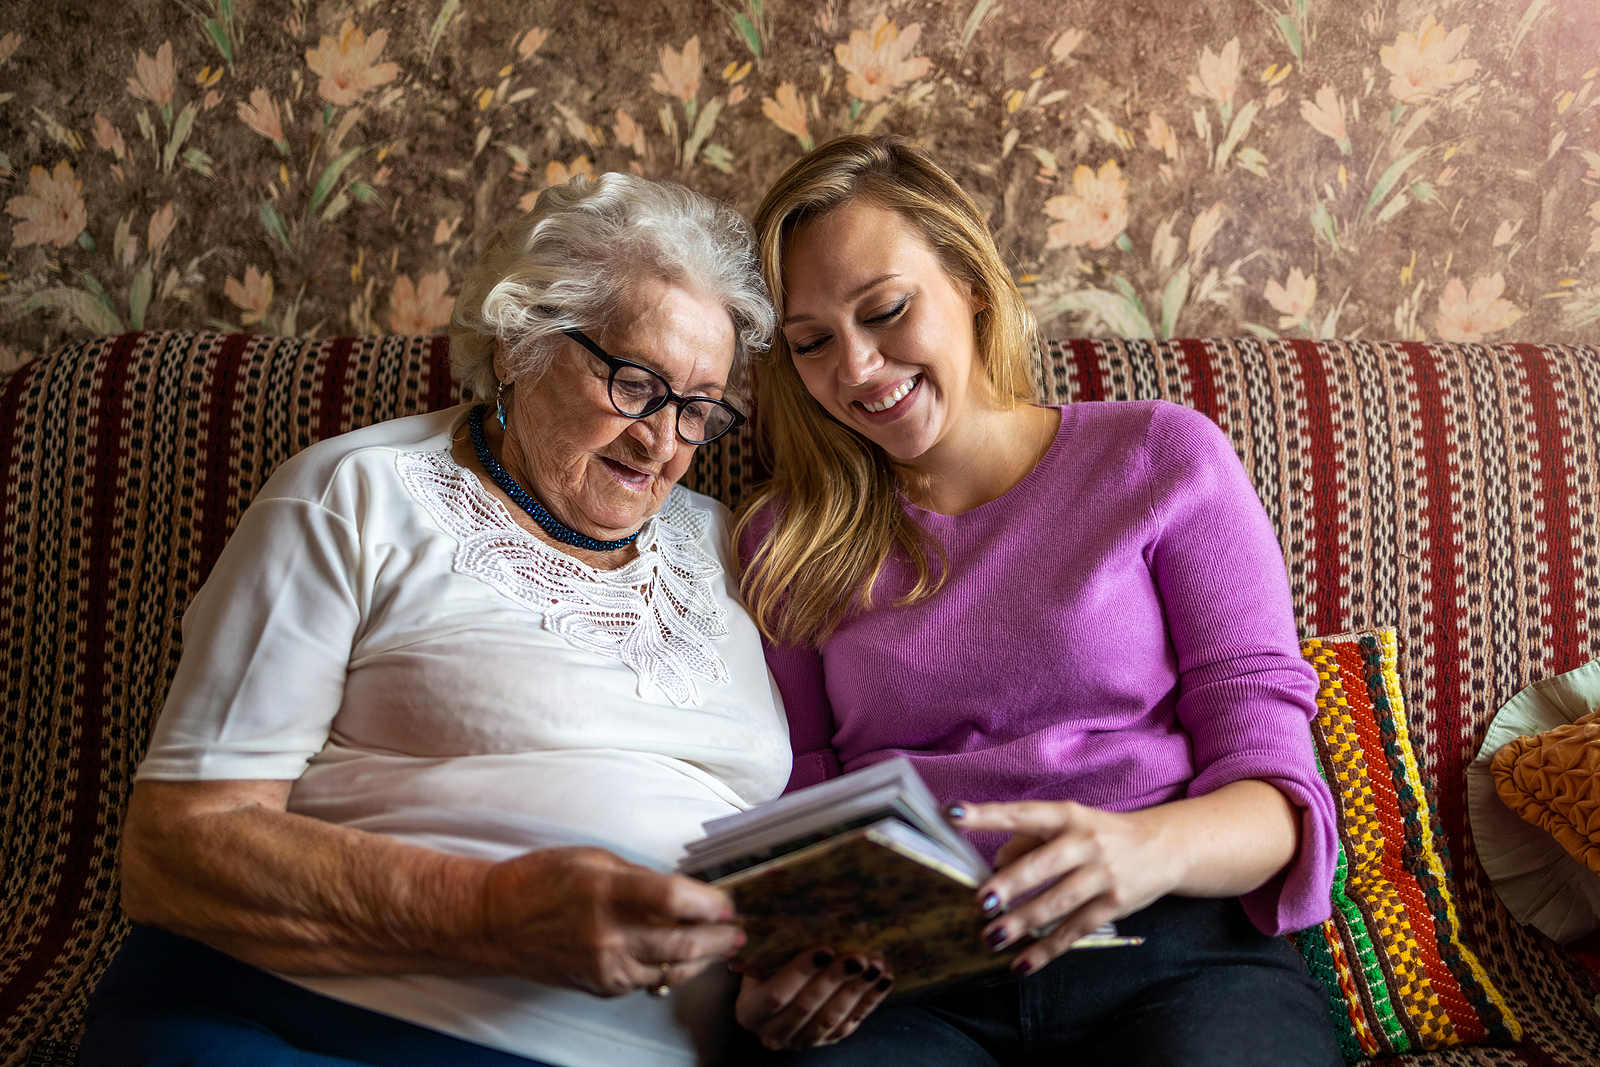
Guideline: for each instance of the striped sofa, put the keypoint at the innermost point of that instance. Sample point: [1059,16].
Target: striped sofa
[1449,491]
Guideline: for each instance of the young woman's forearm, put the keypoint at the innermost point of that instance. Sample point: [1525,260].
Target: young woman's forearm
[1227,842]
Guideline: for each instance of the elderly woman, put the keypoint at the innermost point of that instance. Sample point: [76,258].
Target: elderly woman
[461,686]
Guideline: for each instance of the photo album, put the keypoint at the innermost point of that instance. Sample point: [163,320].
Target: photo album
[861,863]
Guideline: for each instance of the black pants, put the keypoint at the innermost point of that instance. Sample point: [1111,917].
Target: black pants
[1206,989]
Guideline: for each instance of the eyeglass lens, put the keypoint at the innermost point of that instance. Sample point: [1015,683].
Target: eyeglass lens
[638,392]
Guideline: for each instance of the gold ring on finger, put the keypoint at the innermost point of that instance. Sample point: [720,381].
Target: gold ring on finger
[663,987]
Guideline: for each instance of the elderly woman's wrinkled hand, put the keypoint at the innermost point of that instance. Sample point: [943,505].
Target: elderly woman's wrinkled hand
[585,919]
[817,999]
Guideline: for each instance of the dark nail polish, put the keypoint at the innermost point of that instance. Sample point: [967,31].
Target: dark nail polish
[884,984]
[1021,967]
[821,959]
[956,811]
[852,967]
[991,904]
[870,974]
[997,938]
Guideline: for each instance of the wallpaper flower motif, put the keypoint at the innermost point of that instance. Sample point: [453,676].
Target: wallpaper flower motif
[880,59]
[423,307]
[679,75]
[1293,298]
[1219,74]
[1469,316]
[1326,116]
[53,213]
[253,295]
[261,115]
[1424,64]
[787,111]
[1427,169]
[1096,211]
[1161,137]
[154,80]
[348,63]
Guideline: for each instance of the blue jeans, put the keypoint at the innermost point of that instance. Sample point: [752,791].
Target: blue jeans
[167,1001]
[1206,989]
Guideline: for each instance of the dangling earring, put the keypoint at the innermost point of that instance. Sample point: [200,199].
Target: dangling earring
[500,406]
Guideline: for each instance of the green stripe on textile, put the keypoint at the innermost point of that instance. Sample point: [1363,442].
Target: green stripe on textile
[1356,928]
[1313,947]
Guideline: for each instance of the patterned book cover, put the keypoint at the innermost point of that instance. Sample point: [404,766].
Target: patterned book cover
[866,892]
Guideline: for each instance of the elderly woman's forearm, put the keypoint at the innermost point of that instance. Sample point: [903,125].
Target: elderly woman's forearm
[223,863]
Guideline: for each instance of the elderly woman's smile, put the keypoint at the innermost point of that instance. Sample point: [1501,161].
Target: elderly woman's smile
[597,470]
[632,476]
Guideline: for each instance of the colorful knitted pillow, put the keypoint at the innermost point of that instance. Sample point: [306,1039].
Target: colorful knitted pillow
[1399,978]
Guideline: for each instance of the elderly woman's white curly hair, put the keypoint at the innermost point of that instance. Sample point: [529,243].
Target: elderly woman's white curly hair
[569,262]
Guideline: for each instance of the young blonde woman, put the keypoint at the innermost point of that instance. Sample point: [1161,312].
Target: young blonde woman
[1074,621]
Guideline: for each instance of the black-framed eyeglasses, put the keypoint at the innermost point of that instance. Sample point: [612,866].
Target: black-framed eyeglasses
[637,391]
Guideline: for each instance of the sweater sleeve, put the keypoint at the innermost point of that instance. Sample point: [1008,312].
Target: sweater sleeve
[1246,696]
[799,674]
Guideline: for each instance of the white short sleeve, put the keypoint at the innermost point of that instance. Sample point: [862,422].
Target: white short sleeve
[266,645]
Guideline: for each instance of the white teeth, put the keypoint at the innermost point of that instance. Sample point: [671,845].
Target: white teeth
[893,398]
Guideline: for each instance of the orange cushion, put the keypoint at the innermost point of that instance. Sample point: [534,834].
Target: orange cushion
[1552,780]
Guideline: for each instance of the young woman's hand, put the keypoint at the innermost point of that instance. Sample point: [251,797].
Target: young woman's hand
[1086,867]
[816,999]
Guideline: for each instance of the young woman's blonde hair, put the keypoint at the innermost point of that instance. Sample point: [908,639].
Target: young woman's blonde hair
[833,505]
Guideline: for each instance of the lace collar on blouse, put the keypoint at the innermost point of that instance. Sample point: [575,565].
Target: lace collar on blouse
[657,613]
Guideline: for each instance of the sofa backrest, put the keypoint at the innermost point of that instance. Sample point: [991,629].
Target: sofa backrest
[1446,490]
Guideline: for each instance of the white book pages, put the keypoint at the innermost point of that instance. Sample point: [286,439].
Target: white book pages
[891,788]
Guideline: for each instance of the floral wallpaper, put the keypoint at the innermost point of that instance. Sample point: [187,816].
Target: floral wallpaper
[1373,168]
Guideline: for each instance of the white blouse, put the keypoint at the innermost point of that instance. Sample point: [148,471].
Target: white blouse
[380,631]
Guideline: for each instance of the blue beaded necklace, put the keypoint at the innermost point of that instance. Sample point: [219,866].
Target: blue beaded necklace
[552,525]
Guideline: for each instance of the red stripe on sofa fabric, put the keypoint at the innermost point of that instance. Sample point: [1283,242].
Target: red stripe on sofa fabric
[440,385]
[218,431]
[1086,365]
[1444,640]
[1200,363]
[1321,605]
[1559,590]
[332,390]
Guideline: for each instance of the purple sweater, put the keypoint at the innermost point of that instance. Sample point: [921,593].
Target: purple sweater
[1115,630]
